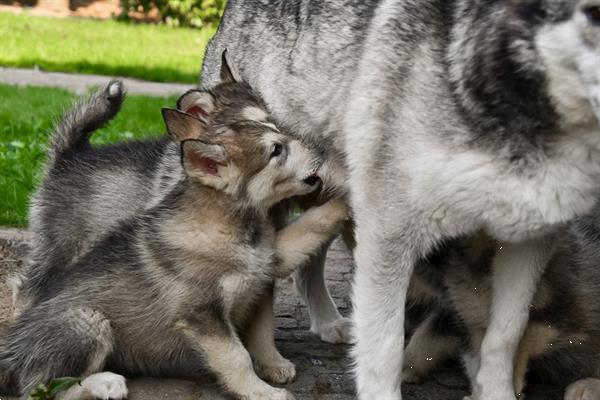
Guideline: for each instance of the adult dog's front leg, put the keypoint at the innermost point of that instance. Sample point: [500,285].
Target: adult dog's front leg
[517,269]
[384,264]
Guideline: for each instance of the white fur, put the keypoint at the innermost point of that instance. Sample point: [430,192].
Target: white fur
[517,269]
[584,389]
[103,385]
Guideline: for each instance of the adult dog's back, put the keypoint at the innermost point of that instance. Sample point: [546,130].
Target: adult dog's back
[451,116]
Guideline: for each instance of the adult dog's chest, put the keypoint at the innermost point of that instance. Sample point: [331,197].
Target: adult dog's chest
[465,189]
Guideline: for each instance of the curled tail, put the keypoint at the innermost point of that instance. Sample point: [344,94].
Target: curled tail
[74,130]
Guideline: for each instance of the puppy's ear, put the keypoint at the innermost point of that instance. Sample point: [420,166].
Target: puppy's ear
[199,103]
[207,163]
[229,74]
[182,126]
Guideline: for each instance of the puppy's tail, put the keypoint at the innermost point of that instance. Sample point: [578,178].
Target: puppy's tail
[73,131]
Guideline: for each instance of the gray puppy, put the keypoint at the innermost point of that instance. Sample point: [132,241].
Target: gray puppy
[451,117]
[194,268]
[562,340]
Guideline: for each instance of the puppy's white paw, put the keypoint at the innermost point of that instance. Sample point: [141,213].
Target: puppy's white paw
[271,394]
[584,389]
[337,331]
[281,372]
[105,385]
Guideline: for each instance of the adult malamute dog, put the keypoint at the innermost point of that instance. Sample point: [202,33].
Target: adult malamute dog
[450,117]
[194,269]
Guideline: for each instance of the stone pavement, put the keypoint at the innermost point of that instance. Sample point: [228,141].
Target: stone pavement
[323,369]
[79,83]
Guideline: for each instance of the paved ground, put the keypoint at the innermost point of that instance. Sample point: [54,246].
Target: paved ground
[322,368]
[79,83]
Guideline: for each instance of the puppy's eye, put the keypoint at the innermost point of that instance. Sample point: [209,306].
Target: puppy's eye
[277,149]
[593,14]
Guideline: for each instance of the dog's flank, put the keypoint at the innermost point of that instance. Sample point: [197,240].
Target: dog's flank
[193,269]
[451,116]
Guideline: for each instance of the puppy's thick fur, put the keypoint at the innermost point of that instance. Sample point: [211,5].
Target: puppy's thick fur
[450,117]
[561,342]
[194,269]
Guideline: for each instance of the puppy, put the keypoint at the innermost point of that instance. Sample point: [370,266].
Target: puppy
[193,268]
[561,343]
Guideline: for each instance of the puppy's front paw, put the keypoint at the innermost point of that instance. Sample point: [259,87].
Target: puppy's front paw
[337,331]
[281,372]
[584,389]
[105,385]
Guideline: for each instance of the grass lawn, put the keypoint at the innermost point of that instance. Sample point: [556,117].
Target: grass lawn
[151,52]
[26,119]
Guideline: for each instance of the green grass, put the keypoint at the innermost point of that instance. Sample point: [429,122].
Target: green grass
[26,119]
[151,52]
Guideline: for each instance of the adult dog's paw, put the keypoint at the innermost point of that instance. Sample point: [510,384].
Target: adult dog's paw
[337,331]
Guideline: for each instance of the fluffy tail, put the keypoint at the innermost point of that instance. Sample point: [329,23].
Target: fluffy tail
[86,116]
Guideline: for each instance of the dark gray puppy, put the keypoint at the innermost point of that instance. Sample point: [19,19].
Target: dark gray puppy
[562,340]
[194,268]
[450,117]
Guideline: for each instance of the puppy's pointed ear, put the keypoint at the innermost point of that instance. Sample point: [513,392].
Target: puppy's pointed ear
[208,164]
[199,103]
[182,126]
[229,74]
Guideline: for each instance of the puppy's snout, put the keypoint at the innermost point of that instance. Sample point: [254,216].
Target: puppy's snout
[312,180]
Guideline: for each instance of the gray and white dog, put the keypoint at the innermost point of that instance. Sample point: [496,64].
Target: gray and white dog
[196,268]
[450,117]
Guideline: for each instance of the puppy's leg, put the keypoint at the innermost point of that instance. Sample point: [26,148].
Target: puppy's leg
[260,342]
[46,343]
[304,237]
[535,342]
[426,349]
[229,360]
[584,389]
[325,319]
[517,269]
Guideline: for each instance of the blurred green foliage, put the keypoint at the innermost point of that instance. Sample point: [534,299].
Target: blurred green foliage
[192,13]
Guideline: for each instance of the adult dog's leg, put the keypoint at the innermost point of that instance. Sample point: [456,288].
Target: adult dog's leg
[325,319]
[517,269]
[385,256]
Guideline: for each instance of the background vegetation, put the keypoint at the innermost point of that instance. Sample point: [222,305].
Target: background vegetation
[151,52]
[26,119]
[193,13]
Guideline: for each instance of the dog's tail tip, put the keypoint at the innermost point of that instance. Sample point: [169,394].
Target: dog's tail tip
[85,117]
[115,90]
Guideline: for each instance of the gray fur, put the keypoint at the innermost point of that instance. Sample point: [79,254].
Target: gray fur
[450,117]
[194,268]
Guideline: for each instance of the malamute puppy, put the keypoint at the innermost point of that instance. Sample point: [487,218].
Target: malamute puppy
[192,269]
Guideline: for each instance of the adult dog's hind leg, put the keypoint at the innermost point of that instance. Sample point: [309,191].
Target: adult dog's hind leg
[45,343]
[325,319]
[517,269]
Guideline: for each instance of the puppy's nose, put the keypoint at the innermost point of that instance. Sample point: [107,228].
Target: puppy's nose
[312,180]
